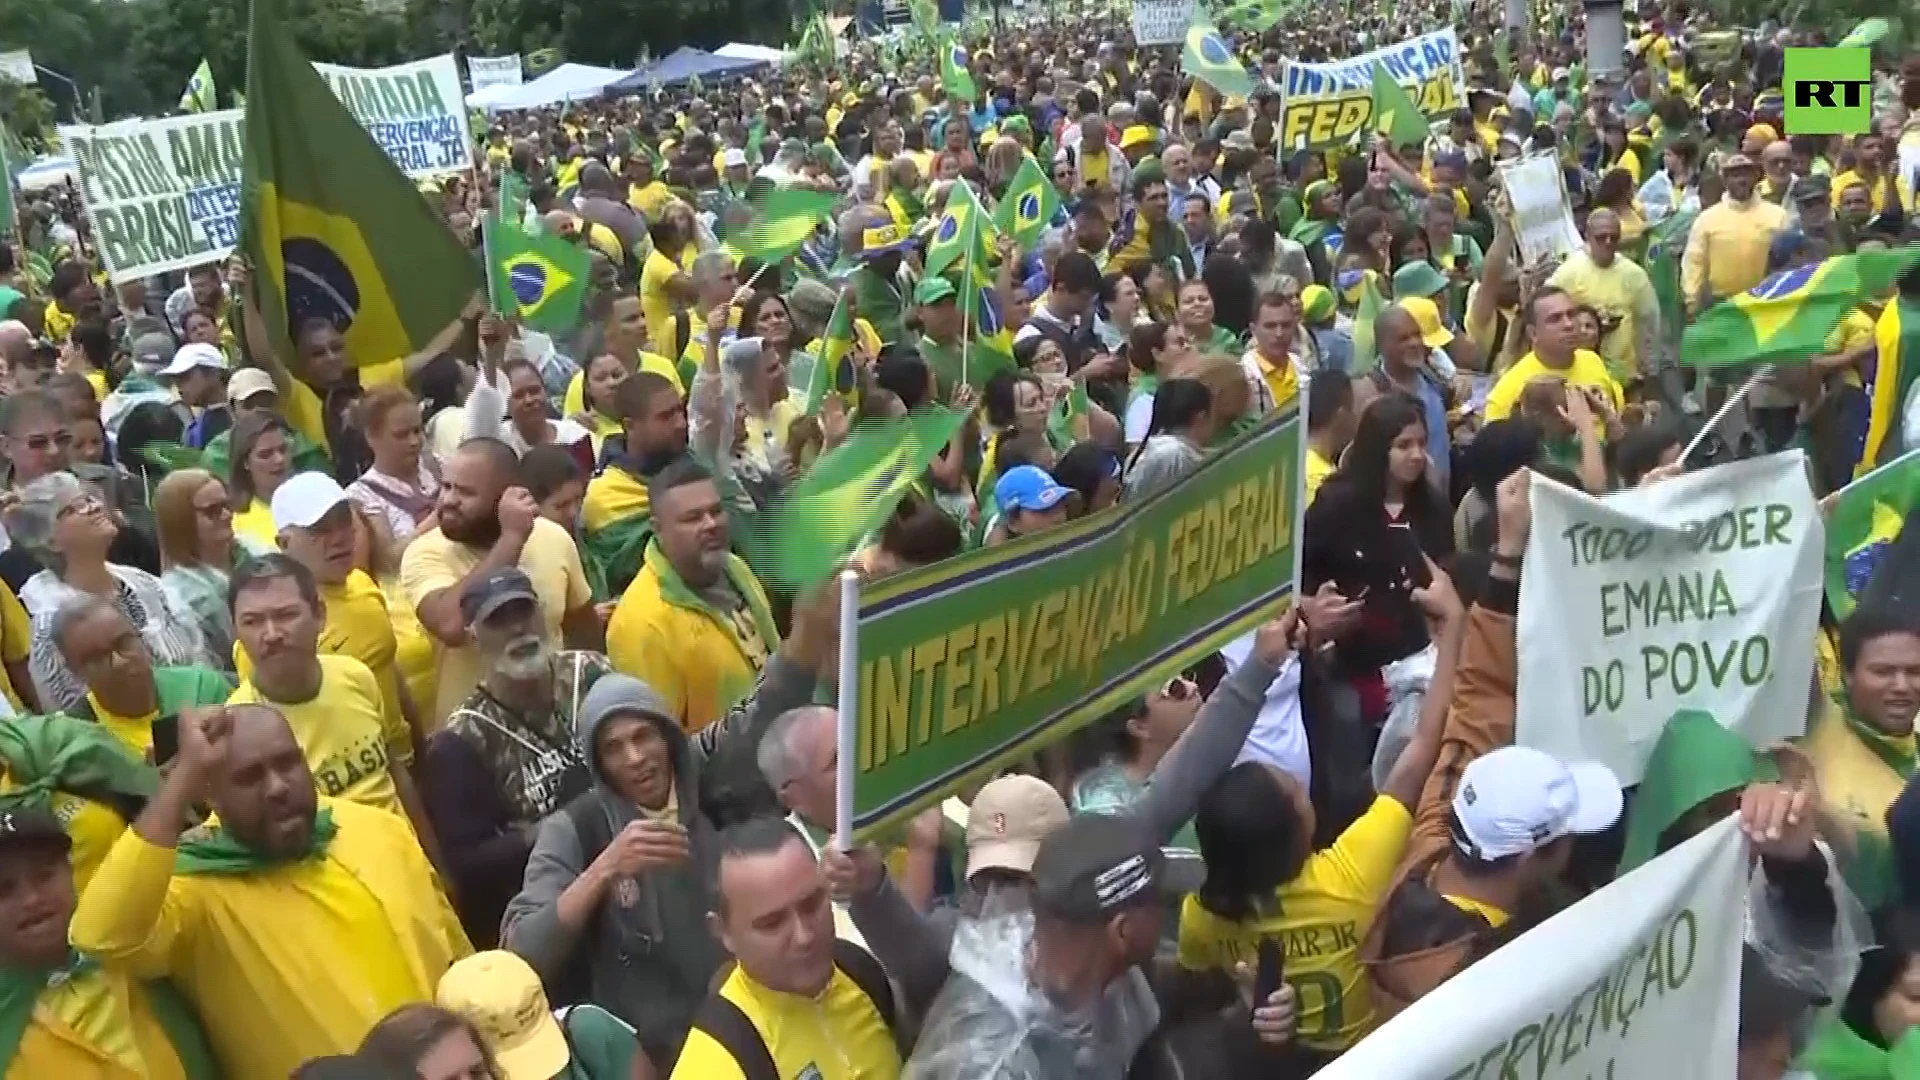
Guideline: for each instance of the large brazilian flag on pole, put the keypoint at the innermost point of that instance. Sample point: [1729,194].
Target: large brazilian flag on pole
[334,230]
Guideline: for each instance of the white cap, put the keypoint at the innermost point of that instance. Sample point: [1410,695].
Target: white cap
[1516,799]
[198,354]
[304,499]
[247,382]
[733,158]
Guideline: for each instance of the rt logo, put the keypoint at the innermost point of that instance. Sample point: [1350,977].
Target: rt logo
[1829,91]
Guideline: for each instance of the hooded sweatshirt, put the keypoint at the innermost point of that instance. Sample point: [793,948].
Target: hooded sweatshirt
[649,956]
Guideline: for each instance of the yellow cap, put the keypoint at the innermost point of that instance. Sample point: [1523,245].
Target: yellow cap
[1427,314]
[501,996]
[1137,135]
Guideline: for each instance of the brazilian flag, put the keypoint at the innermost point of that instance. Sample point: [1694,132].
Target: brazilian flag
[334,230]
[1867,516]
[540,278]
[847,495]
[961,232]
[1788,316]
[1206,57]
[833,371]
[782,221]
[616,522]
[955,78]
[1029,207]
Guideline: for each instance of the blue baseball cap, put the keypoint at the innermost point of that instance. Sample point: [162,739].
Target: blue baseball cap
[1027,487]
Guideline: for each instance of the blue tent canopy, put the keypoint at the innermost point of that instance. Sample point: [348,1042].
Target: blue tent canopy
[682,64]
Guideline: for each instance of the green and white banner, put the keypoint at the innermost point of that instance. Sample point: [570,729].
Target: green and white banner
[1699,592]
[1640,979]
[1326,105]
[970,664]
[164,194]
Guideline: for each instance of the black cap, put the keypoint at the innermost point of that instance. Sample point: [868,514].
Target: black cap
[23,826]
[1811,189]
[486,596]
[1094,866]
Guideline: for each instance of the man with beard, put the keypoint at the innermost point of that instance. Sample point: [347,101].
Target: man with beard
[294,924]
[695,624]
[506,758]
[615,518]
[489,522]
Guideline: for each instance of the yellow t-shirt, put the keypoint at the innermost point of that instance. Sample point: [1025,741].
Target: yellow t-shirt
[1587,369]
[651,200]
[837,1036]
[655,302]
[255,523]
[1616,291]
[1855,330]
[16,641]
[341,732]
[95,1026]
[432,563]
[359,625]
[134,732]
[1318,469]
[1320,919]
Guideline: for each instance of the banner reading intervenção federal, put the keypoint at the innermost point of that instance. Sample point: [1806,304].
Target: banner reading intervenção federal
[1324,105]
[162,195]
[969,664]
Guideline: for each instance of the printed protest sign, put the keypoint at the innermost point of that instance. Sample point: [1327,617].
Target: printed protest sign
[1325,105]
[1698,592]
[163,195]
[968,664]
[1542,214]
[1161,22]
[485,71]
[1640,979]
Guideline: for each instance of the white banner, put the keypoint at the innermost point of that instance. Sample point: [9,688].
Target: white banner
[1328,104]
[17,66]
[485,71]
[1161,22]
[1640,979]
[164,195]
[1542,214]
[1699,592]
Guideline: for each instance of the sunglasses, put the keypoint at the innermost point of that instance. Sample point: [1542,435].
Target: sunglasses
[39,443]
[1179,688]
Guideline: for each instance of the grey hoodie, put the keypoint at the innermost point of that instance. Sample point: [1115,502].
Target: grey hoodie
[650,955]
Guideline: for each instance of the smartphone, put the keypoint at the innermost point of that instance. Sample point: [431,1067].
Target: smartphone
[1271,971]
[166,739]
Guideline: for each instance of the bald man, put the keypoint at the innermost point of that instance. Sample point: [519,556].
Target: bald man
[17,370]
[1776,171]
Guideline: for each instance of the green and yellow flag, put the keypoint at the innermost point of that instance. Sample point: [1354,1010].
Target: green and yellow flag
[540,61]
[1206,57]
[847,495]
[540,278]
[781,223]
[1867,517]
[955,77]
[1029,207]
[1394,113]
[1788,316]
[961,232]
[333,229]
[833,370]
[1366,356]
[200,95]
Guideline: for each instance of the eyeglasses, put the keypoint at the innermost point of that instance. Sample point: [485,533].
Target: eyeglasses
[215,511]
[85,504]
[1178,688]
[39,443]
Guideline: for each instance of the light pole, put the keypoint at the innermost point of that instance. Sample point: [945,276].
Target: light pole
[74,106]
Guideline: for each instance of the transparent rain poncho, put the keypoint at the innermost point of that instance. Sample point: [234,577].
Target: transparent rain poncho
[990,1022]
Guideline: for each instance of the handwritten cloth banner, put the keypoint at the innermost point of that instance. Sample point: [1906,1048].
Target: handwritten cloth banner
[485,71]
[969,664]
[1640,979]
[1542,213]
[164,194]
[1698,592]
[1327,105]
[1161,22]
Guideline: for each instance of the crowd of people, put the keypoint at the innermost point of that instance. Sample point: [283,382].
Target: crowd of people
[433,716]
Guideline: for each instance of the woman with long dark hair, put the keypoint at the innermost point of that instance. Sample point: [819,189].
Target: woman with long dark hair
[1177,437]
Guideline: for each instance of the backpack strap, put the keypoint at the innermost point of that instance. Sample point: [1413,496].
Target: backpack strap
[725,1024]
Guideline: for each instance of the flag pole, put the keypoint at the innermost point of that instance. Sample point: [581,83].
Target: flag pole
[1725,410]
[849,705]
[966,275]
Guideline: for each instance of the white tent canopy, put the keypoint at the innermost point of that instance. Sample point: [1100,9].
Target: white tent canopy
[568,82]
[739,50]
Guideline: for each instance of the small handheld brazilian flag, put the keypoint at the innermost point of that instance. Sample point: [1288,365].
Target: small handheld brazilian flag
[833,372]
[1206,57]
[782,221]
[332,227]
[540,278]
[1788,316]
[955,78]
[1029,207]
[1866,518]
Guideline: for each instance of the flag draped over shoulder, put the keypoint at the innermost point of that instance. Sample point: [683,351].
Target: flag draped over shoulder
[1394,113]
[1030,205]
[781,223]
[1866,518]
[1788,316]
[333,229]
[200,95]
[1206,57]
[847,495]
[536,276]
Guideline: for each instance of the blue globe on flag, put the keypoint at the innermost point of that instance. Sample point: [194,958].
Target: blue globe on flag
[528,280]
[1785,283]
[1027,210]
[949,228]
[1213,50]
